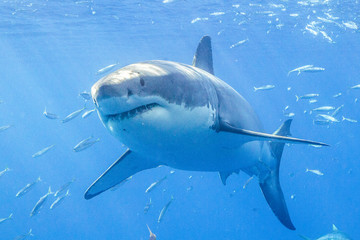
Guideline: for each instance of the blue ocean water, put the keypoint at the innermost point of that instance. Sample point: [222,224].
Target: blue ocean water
[52,51]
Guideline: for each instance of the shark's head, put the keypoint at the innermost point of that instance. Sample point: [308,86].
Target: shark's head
[141,100]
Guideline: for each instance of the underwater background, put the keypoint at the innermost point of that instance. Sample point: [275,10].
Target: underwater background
[53,50]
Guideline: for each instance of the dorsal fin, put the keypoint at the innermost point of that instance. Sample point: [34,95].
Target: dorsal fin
[203,56]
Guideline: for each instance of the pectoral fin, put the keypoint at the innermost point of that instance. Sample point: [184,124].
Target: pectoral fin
[259,136]
[127,165]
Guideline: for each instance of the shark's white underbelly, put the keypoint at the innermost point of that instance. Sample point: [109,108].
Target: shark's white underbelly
[210,154]
[186,142]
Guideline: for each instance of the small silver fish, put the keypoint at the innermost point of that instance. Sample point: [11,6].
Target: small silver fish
[72,115]
[27,188]
[40,203]
[289,114]
[307,96]
[163,211]
[300,69]
[152,236]
[327,117]
[4,171]
[349,119]
[147,206]
[50,115]
[23,236]
[265,87]
[324,109]
[106,69]
[154,184]
[317,172]
[356,86]
[84,144]
[64,188]
[239,43]
[314,69]
[88,113]
[337,95]
[337,110]
[3,128]
[351,25]
[307,68]
[248,181]
[42,151]
[85,95]
[59,200]
[311,101]
[6,219]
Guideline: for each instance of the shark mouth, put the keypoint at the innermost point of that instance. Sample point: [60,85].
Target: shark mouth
[133,112]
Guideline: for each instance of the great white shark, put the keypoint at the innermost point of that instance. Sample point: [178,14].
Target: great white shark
[184,117]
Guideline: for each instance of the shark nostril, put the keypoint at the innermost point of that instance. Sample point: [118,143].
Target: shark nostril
[129,93]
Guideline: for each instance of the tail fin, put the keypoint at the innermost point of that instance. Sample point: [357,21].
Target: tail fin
[149,229]
[334,228]
[152,235]
[30,232]
[270,185]
[67,194]
[49,191]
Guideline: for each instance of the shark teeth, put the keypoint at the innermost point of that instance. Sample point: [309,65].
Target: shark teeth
[133,112]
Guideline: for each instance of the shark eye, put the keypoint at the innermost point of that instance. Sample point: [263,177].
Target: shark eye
[142,82]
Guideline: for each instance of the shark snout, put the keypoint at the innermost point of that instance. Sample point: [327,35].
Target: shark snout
[116,96]
[109,98]
[101,91]
[120,84]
